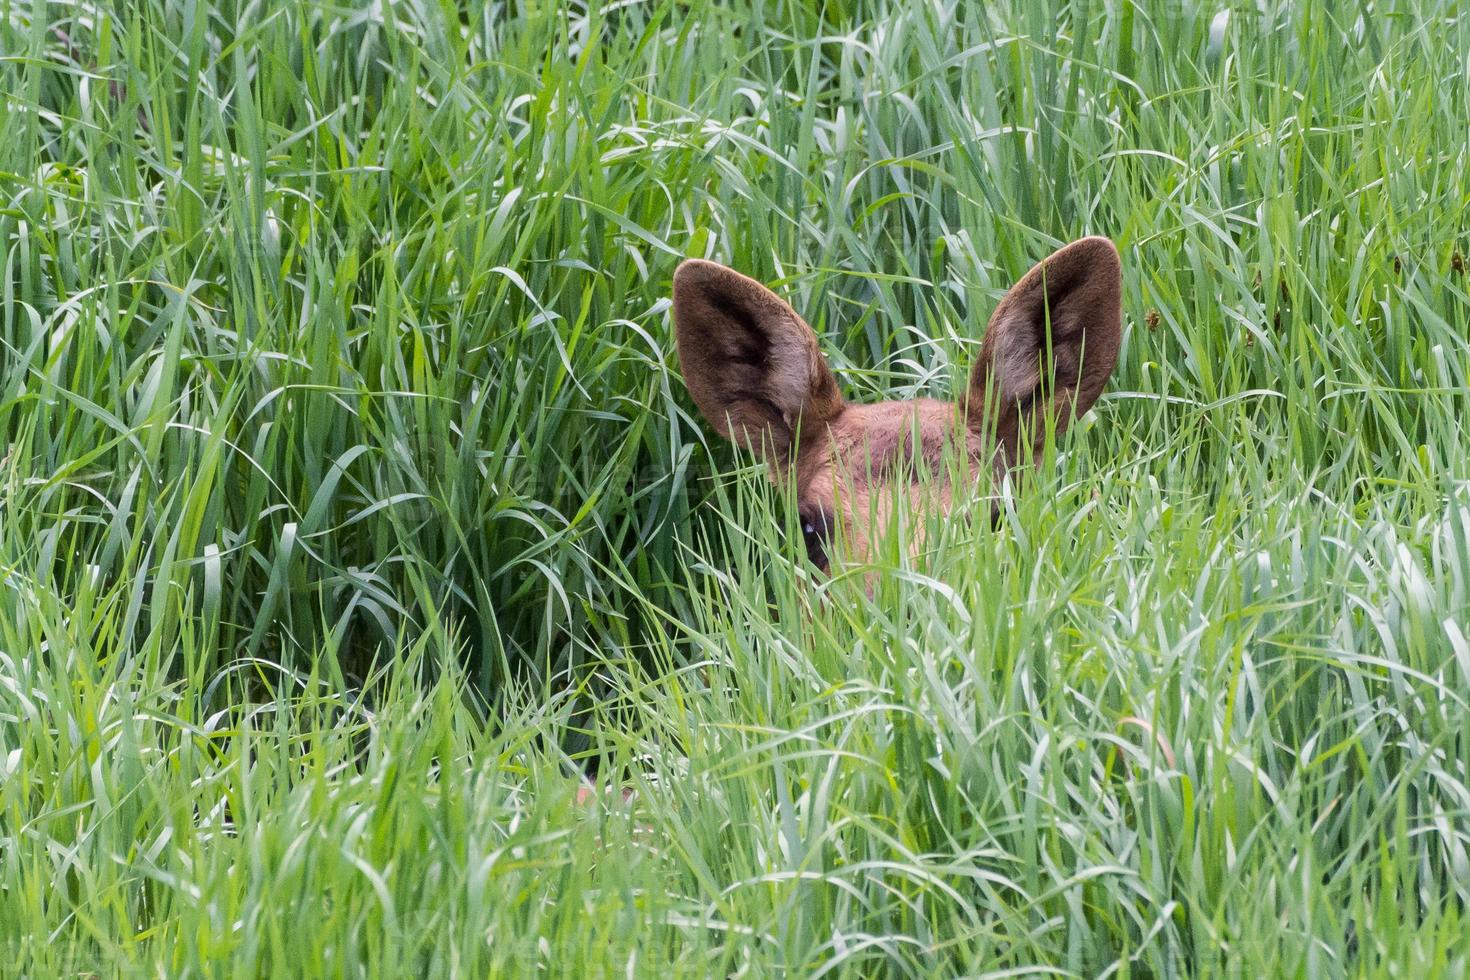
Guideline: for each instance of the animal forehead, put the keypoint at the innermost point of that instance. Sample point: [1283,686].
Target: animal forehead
[878,437]
[927,416]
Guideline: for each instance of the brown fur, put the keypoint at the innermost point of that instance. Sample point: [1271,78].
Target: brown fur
[756,372]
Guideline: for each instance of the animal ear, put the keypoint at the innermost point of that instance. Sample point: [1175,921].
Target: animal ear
[751,364]
[1051,345]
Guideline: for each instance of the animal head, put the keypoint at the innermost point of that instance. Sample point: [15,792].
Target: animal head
[757,374]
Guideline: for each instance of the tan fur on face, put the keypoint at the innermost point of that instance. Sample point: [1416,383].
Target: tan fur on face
[872,469]
[756,373]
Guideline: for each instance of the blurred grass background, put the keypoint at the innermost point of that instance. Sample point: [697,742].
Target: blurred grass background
[352,506]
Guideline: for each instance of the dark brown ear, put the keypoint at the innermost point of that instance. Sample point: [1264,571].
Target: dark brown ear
[1050,347]
[750,362]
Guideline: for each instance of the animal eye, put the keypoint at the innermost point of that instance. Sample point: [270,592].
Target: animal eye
[816,532]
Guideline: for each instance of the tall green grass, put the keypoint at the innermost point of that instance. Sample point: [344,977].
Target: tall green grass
[353,509]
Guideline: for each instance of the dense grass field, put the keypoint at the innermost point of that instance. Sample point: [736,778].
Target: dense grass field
[353,514]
